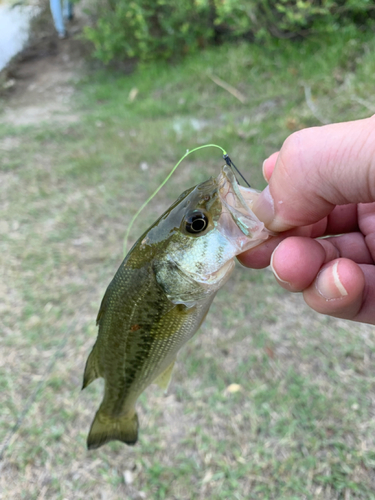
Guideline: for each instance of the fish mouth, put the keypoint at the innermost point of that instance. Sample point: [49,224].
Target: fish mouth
[237,221]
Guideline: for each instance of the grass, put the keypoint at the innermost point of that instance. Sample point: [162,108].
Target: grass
[301,425]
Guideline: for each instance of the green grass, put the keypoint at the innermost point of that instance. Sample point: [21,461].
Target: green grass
[302,424]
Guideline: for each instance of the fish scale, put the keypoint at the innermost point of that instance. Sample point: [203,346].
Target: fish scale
[160,296]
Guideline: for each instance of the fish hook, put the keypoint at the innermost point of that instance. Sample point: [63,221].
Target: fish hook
[229,162]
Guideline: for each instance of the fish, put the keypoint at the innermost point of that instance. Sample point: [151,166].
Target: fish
[161,294]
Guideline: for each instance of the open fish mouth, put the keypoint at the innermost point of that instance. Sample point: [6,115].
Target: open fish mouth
[237,221]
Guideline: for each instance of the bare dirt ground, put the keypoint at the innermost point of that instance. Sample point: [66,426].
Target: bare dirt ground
[38,81]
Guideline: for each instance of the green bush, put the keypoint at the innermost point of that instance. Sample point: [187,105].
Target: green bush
[149,29]
[290,18]
[161,29]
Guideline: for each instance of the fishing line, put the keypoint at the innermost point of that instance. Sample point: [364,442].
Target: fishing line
[164,182]
[228,161]
[34,395]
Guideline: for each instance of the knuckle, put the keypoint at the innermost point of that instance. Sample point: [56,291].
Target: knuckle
[295,147]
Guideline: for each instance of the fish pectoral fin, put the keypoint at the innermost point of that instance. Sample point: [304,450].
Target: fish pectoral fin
[92,370]
[105,428]
[164,379]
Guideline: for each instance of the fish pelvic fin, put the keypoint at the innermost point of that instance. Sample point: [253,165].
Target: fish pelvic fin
[92,370]
[164,379]
[105,428]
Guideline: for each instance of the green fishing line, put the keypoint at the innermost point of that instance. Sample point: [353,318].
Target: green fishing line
[162,184]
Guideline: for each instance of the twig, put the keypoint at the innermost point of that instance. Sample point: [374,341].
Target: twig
[226,86]
[314,110]
[366,104]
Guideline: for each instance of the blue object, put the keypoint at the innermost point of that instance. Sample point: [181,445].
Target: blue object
[61,11]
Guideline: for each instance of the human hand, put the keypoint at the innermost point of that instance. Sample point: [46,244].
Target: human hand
[322,183]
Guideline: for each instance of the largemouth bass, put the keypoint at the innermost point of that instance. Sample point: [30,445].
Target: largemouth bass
[161,294]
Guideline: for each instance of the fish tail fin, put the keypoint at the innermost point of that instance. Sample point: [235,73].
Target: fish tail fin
[92,370]
[105,429]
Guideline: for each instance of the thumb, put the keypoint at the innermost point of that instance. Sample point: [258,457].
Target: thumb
[316,169]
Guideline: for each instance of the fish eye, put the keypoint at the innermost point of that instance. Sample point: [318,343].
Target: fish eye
[196,222]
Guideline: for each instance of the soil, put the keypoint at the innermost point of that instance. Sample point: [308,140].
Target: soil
[38,82]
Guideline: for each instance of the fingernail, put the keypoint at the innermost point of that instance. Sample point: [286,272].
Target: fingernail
[264,207]
[274,272]
[263,171]
[328,283]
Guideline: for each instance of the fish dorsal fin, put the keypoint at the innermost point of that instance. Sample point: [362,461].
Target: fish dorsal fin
[164,379]
[103,307]
[92,370]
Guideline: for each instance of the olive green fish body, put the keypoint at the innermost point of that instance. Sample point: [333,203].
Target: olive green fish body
[159,297]
[137,342]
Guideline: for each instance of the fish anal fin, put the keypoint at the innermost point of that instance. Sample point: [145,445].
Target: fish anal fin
[105,428]
[202,320]
[164,379]
[92,370]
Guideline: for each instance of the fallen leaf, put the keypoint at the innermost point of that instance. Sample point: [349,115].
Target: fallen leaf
[133,94]
[232,388]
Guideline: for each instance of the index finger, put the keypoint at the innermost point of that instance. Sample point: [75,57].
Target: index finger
[343,219]
[317,169]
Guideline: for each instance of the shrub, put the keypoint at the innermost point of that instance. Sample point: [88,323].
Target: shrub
[161,29]
[149,29]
